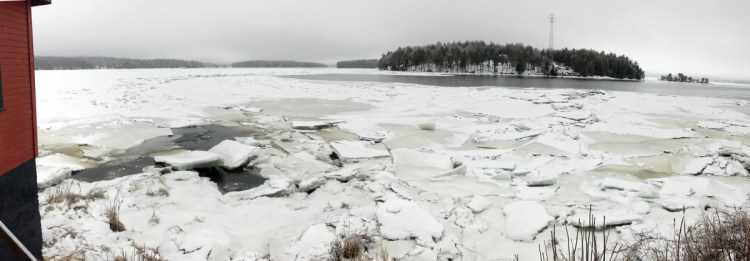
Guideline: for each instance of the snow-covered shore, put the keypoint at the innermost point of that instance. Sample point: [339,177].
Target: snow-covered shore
[429,172]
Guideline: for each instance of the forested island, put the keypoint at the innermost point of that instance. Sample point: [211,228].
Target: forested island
[277,64]
[368,63]
[99,62]
[682,78]
[515,58]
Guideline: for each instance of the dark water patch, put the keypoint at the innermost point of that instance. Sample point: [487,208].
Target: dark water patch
[233,180]
[114,169]
[657,87]
[202,137]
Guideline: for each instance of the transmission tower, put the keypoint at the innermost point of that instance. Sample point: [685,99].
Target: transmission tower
[551,30]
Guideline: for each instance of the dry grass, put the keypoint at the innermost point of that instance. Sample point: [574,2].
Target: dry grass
[350,247]
[143,253]
[140,253]
[383,254]
[721,236]
[162,192]
[588,244]
[154,219]
[113,217]
[64,194]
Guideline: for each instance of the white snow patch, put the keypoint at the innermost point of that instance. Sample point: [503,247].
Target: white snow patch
[352,150]
[234,154]
[51,175]
[403,219]
[188,159]
[524,220]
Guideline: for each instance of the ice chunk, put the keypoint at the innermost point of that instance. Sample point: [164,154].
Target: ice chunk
[248,140]
[478,204]
[686,165]
[313,244]
[311,184]
[535,193]
[561,143]
[679,203]
[352,150]
[491,164]
[676,188]
[188,159]
[427,126]
[574,115]
[403,219]
[234,154]
[640,207]
[61,160]
[601,219]
[539,182]
[524,220]
[613,183]
[250,109]
[51,175]
[348,225]
[313,125]
[735,168]
[712,125]
[418,163]
[278,187]
[96,153]
[717,168]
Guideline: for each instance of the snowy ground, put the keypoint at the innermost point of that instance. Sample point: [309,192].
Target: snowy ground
[428,172]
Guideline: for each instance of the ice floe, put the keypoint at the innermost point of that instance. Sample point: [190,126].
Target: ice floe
[234,154]
[524,220]
[188,159]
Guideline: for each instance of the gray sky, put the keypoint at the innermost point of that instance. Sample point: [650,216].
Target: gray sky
[696,37]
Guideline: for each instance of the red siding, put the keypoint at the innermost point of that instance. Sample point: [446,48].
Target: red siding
[18,119]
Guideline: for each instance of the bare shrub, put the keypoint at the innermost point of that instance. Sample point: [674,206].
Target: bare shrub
[589,244]
[350,247]
[64,194]
[721,236]
[161,192]
[718,236]
[113,217]
[383,254]
[154,219]
[143,253]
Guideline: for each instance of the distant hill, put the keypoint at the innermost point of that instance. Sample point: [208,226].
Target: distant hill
[370,63]
[276,64]
[99,62]
[516,58]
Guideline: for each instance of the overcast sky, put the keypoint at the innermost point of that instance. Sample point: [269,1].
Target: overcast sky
[697,37]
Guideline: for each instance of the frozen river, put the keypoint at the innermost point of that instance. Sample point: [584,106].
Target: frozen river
[720,90]
[426,170]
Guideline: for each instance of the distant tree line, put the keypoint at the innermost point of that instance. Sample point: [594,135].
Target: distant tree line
[98,62]
[682,78]
[276,64]
[370,63]
[480,57]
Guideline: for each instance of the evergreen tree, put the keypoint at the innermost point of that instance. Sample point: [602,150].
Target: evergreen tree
[481,57]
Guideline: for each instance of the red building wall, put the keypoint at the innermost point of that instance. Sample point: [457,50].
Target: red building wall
[18,142]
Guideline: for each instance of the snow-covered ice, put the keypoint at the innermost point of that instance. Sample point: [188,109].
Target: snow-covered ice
[188,159]
[403,219]
[234,154]
[525,219]
[352,150]
[429,172]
